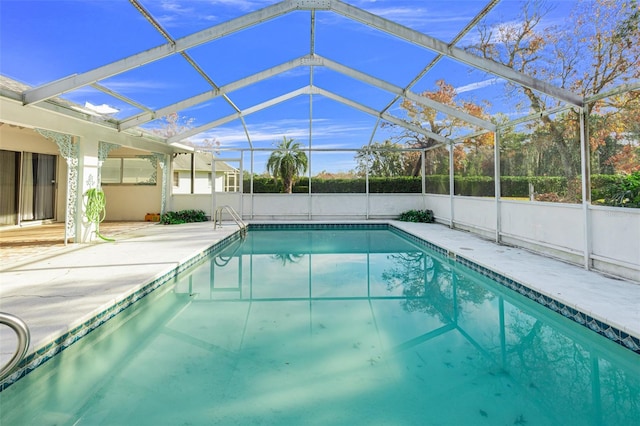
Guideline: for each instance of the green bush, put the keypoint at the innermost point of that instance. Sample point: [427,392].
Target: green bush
[183,216]
[421,216]
[606,189]
[549,184]
[395,185]
[262,185]
[514,186]
[477,186]
[625,192]
[338,186]
[437,184]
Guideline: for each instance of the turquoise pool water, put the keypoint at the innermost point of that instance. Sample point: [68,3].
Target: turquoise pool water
[326,327]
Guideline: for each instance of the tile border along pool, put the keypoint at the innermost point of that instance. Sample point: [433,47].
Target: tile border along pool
[143,260]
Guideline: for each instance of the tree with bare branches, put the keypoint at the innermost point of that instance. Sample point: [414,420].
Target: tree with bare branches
[597,49]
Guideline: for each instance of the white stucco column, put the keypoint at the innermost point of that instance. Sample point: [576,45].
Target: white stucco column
[88,169]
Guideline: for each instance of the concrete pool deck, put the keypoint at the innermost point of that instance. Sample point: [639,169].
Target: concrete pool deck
[55,292]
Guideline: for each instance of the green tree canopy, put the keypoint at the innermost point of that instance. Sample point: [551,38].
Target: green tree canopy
[287,163]
[381,159]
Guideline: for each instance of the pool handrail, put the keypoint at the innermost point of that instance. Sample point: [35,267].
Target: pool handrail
[24,338]
[217,220]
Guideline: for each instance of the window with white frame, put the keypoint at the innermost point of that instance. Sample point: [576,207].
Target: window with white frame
[128,171]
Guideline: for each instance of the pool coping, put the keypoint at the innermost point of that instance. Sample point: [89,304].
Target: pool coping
[45,352]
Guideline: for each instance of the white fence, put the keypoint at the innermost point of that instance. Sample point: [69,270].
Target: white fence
[611,236]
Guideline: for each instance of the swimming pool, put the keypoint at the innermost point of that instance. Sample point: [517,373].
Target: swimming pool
[332,326]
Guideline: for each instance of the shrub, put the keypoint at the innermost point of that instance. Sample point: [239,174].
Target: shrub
[437,184]
[338,186]
[548,188]
[422,216]
[183,216]
[604,187]
[395,185]
[625,193]
[476,186]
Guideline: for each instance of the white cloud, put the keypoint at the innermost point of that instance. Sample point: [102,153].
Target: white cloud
[133,86]
[477,85]
[273,131]
[101,109]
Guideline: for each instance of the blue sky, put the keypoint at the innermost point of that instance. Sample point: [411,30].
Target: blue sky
[42,41]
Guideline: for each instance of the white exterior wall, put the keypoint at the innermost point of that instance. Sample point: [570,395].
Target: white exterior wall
[132,202]
[184,183]
[329,206]
[557,225]
[551,228]
[218,182]
[179,202]
[276,206]
[475,214]
[440,205]
[615,240]
[385,206]
[201,185]
[338,205]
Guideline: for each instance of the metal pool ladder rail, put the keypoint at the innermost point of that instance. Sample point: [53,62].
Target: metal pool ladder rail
[217,220]
[24,338]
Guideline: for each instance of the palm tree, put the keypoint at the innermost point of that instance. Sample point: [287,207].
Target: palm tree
[287,162]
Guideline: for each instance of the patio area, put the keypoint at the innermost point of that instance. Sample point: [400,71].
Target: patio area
[25,244]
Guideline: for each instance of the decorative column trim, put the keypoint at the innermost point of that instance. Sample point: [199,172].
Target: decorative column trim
[104,148]
[70,152]
[159,159]
[164,165]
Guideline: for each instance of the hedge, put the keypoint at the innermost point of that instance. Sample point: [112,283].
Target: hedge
[478,186]
[183,216]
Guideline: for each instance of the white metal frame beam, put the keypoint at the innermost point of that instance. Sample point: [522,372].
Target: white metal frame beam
[144,117]
[384,116]
[309,60]
[471,24]
[76,81]
[241,114]
[46,91]
[373,81]
[307,90]
[452,52]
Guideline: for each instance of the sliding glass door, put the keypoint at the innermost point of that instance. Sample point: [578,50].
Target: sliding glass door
[9,167]
[28,183]
[38,186]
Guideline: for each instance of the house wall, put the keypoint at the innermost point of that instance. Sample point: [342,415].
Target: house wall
[126,202]
[88,132]
[201,183]
[131,202]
